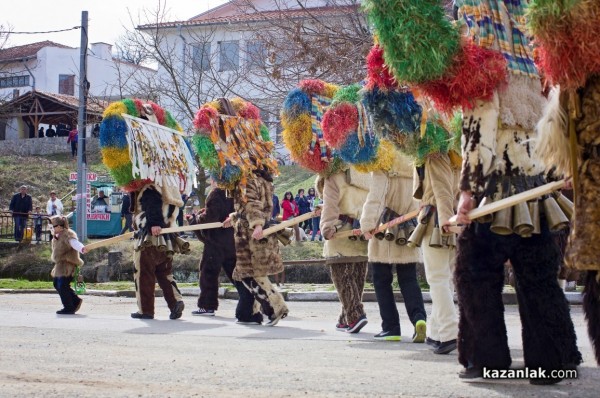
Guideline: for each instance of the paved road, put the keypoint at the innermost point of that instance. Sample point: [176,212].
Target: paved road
[102,352]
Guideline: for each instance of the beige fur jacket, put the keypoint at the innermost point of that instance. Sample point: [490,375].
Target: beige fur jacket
[344,194]
[393,190]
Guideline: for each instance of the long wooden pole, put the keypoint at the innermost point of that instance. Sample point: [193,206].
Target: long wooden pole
[128,235]
[381,228]
[512,200]
[289,223]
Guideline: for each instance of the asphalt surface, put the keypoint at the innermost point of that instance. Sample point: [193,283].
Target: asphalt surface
[102,352]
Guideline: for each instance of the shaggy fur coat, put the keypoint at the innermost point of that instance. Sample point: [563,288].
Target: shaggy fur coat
[65,258]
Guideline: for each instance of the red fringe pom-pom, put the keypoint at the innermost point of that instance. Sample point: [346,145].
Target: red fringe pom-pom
[378,74]
[159,113]
[338,122]
[203,117]
[136,185]
[312,86]
[475,75]
[249,111]
[313,161]
[139,105]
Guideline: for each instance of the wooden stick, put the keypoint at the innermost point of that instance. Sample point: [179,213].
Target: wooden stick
[381,228]
[128,235]
[289,223]
[512,200]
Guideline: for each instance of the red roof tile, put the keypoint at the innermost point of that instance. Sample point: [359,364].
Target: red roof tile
[27,50]
[260,16]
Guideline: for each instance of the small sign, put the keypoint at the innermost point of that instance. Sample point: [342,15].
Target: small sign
[90,176]
[99,216]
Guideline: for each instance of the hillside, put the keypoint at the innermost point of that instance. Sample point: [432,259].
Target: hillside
[292,178]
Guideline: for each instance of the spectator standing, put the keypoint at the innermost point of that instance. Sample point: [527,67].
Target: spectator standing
[126,213]
[21,206]
[303,207]
[41,132]
[54,207]
[72,139]
[50,132]
[276,207]
[314,203]
[37,224]
[100,200]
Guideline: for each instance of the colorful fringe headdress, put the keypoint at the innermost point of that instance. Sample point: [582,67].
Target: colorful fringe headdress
[231,142]
[348,130]
[398,118]
[301,117]
[424,50]
[136,158]
[567,38]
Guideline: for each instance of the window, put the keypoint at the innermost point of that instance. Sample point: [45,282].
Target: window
[201,56]
[256,55]
[229,57]
[14,81]
[66,84]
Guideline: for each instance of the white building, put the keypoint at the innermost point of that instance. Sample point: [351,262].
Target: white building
[217,54]
[53,68]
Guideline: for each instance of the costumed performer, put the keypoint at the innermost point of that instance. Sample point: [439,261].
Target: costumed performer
[490,75]
[568,54]
[155,166]
[236,150]
[343,190]
[347,129]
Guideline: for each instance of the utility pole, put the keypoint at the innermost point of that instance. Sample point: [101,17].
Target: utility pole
[82,191]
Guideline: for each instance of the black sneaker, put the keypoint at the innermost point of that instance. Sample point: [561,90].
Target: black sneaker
[78,306]
[445,347]
[137,315]
[240,322]
[65,312]
[358,324]
[393,335]
[342,327]
[203,312]
[433,343]
[471,373]
[177,310]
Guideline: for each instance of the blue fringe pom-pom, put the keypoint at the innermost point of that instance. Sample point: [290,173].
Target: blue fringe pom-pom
[188,144]
[392,111]
[296,103]
[112,132]
[227,175]
[352,152]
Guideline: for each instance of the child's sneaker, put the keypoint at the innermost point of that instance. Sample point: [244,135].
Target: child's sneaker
[420,332]
[393,335]
[342,327]
[203,312]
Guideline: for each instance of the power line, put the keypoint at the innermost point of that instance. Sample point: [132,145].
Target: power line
[35,33]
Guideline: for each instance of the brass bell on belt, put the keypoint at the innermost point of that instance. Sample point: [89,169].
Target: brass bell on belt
[162,244]
[522,224]
[401,236]
[534,212]
[502,224]
[436,238]
[416,238]
[488,217]
[390,233]
[565,204]
[557,220]
[451,241]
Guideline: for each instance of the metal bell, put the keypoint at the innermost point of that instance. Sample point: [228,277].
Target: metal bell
[284,240]
[436,238]
[362,238]
[170,249]
[162,244]
[557,220]
[451,241]
[401,237]
[385,216]
[147,242]
[154,240]
[522,224]
[534,212]
[390,233]
[416,238]
[565,204]
[184,245]
[489,217]
[502,224]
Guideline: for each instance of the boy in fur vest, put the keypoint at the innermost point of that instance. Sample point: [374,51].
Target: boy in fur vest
[65,255]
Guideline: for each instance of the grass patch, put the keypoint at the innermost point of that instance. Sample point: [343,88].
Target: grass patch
[22,284]
[292,178]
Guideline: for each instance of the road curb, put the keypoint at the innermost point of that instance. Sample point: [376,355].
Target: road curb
[509,298]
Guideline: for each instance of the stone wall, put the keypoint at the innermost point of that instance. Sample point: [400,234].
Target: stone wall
[42,146]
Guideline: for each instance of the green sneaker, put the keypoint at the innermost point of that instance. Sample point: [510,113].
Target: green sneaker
[420,332]
[388,336]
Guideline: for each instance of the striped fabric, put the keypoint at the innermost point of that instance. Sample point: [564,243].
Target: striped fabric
[500,25]
[318,106]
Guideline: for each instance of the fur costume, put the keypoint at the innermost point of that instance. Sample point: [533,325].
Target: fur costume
[64,257]
[343,197]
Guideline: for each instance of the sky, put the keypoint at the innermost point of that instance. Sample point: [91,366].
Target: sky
[107,19]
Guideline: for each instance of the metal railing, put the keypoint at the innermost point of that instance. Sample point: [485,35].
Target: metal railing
[40,234]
